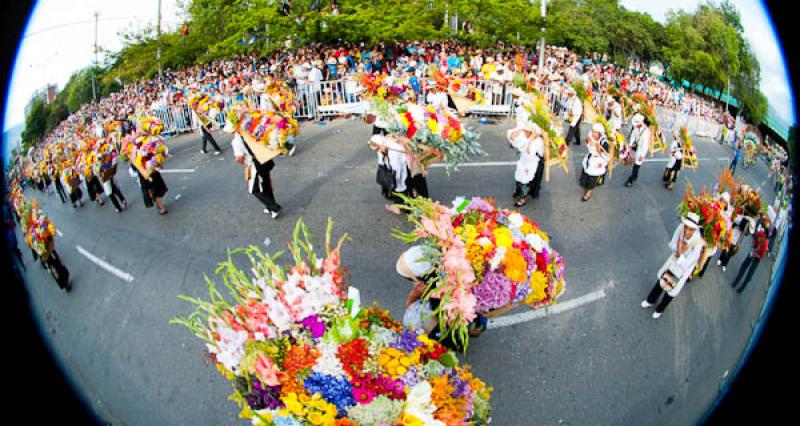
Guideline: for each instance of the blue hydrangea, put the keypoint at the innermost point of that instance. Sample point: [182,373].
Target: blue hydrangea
[336,390]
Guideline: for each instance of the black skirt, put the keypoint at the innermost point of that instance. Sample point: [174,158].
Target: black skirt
[156,185]
[589,182]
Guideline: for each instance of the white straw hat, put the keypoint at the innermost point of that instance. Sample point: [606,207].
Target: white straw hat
[410,263]
[691,220]
[637,119]
[598,127]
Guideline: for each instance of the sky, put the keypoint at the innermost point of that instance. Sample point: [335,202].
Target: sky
[758,31]
[60,38]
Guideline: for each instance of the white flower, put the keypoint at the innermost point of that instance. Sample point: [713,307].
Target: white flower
[536,242]
[457,202]
[419,405]
[484,242]
[328,363]
[498,257]
[515,220]
[230,348]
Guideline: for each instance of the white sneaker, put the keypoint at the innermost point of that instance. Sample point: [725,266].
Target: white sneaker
[202,151]
[275,215]
[217,152]
[266,211]
[724,268]
[656,315]
[719,262]
[291,151]
[645,304]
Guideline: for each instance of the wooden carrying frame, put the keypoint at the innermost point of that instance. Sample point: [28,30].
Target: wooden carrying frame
[560,161]
[656,142]
[261,152]
[462,104]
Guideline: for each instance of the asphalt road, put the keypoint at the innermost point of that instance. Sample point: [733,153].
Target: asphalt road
[605,362]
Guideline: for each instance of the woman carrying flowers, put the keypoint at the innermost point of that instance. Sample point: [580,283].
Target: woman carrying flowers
[686,245]
[596,161]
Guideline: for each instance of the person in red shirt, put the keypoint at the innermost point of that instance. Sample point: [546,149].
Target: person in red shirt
[760,245]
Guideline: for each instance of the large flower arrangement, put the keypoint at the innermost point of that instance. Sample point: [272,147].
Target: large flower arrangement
[461,87]
[379,87]
[39,230]
[440,130]
[272,129]
[282,97]
[541,115]
[619,150]
[299,351]
[150,126]
[716,227]
[486,258]
[148,152]
[205,107]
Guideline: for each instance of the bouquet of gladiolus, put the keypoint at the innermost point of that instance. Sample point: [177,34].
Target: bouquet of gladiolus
[689,151]
[272,129]
[299,350]
[438,129]
[716,227]
[541,115]
[151,125]
[485,258]
[205,107]
[148,152]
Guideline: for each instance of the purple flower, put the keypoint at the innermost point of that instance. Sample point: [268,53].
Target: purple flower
[313,324]
[407,342]
[493,292]
[480,204]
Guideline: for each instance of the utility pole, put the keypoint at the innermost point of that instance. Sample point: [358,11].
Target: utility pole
[158,33]
[541,41]
[94,68]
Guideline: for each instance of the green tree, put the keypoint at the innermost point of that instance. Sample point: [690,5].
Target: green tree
[34,123]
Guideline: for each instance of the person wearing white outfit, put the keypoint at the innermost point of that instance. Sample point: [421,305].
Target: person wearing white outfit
[675,161]
[595,164]
[392,153]
[640,141]
[259,182]
[527,139]
[574,115]
[687,245]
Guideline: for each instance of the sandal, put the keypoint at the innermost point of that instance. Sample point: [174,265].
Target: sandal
[521,204]
[585,198]
[163,212]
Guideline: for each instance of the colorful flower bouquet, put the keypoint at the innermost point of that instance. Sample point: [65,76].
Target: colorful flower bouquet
[107,159]
[541,115]
[440,130]
[148,152]
[39,230]
[748,203]
[282,97]
[151,126]
[486,258]
[461,87]
[298,349]
[271,129]
[716,227]
[205,107]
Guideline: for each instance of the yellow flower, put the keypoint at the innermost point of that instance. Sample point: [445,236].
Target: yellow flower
[502,237]
[410,420]
[538,284]
[515,266]
[526,228]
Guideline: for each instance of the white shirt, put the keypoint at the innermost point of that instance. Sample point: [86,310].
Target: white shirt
[595,163]
[239,150]
[641,136]
[398,161]
[575,110]
[675,154]
[315,77]
[530,150]
[683,266]
[438,100]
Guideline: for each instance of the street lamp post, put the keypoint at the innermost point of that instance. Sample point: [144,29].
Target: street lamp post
[541,41]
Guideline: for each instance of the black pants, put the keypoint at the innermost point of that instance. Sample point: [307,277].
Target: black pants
[574,132]
[536,184]
[116,196]
[208,138]
[264,193]
[634,174]
[748,267]
[733,166]
[60,191]
[420,185]
[727,254]
[653,297]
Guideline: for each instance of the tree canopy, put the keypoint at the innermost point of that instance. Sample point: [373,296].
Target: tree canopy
[705,46]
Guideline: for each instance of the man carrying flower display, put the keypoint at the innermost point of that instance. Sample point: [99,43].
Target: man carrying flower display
[640,141]
[686,245]
[675,161]
[259,181]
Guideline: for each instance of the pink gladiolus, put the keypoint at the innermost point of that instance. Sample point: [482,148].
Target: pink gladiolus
[267,371]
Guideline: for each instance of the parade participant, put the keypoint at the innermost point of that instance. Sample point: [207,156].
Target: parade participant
[710,251]
[94,187]
[574,114]
[675,161]
[392,157]
[110,186]
[259,181]
[527,139]
[742,226]
[757,252]
[686,245]
[59,186]
[615,116]
[72,182]
[153,189]
[595,163]
[414,266]
[639,142]
[737,153]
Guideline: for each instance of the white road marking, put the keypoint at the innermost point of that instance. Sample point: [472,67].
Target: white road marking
[177,170]
[105,265]
[479,164]
[177,197]
[558,308]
